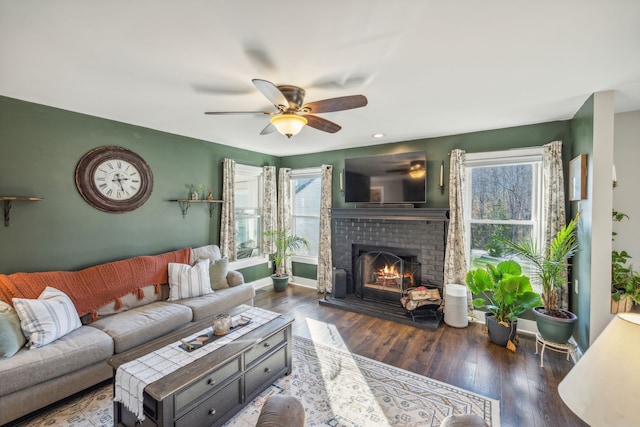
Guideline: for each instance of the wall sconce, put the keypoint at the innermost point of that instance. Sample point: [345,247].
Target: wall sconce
[614,177]
[442,177]
[341,184]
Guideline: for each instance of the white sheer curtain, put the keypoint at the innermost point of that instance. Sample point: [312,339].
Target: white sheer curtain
[284,207]
[325,265]
[554,214]
[227,216]
[455,258]
[269,207]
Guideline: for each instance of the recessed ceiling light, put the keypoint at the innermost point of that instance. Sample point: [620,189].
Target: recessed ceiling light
[377,135]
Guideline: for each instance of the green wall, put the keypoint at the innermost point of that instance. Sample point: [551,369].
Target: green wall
[39,149]
[582,128]
[437,150]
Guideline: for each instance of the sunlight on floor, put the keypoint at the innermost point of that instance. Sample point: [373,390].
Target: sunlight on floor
[339,398]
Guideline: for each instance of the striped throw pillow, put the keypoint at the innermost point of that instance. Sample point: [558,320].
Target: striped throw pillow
[187,281]
[47,318]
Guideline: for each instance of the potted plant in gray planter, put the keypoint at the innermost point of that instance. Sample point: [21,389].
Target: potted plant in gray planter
[284,244]
[550,265]
[506,293]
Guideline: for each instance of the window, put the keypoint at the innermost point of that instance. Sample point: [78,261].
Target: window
[248,206]
[502,200]
[305,211]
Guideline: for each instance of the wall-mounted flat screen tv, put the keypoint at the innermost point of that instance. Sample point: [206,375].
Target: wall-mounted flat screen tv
[389,178]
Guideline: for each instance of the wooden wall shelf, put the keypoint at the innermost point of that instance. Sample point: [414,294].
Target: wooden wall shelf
[185,203]
[7,204]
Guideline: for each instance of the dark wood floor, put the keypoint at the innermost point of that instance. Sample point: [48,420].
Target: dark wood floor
[461,357]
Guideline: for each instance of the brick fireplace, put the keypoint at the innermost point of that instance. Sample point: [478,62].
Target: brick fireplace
[419,232]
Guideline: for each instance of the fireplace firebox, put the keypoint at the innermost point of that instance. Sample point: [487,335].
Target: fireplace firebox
[384,274]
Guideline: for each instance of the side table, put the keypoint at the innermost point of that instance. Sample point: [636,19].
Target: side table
[569,348]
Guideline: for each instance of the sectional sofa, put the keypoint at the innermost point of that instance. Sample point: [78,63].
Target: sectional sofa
[33,378]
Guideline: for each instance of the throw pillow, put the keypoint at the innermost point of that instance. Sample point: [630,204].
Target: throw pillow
[218,273]
[48,318]
[11,337]
[186,281]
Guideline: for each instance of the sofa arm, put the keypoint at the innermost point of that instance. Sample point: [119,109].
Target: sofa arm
[281,411]
[234,278]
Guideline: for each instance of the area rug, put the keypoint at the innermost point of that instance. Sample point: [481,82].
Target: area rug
[336,388]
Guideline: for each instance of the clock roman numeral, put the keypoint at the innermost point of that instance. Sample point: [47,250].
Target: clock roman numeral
[110,166]
[103,186]
[109,192]
[119,163]
[100,179]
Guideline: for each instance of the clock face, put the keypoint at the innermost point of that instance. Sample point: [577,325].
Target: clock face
[117,179]
[114,179]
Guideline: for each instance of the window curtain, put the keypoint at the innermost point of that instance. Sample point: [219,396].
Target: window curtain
[325,266]
[455,259]
[284,207]
[269,208]
[227,216]
[554,215]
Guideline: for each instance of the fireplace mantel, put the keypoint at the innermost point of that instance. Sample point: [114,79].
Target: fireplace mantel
[398,214]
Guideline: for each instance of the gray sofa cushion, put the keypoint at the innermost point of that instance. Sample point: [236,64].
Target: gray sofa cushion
[219,301]
[139,325]
[76,350]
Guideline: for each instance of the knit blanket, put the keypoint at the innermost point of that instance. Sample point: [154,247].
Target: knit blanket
[96,286]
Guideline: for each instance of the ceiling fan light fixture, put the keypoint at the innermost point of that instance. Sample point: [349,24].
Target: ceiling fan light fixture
[288,124]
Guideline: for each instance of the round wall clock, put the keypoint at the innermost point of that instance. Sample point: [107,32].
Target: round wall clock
[114,179]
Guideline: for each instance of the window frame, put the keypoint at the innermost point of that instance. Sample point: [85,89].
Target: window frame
[261,258]
[312,172]
[533,156]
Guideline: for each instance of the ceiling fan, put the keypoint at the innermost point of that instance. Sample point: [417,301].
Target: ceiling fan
[292,114]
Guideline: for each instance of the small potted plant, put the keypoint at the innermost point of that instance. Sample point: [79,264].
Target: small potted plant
[625,282]
[506,294]
[284,245]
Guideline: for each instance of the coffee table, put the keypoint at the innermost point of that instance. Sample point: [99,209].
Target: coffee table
[213,388]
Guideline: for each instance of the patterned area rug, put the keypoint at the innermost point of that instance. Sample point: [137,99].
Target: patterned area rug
[336,388]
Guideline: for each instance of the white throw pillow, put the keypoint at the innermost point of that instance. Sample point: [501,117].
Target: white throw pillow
[47,318]
[186,281]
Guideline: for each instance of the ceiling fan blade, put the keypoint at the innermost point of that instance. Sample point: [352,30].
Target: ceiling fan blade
[322,124]
[335,104]
[271,92]
[235,112]
[268,129]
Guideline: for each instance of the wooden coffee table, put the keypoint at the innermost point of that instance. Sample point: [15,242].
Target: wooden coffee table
[213,388]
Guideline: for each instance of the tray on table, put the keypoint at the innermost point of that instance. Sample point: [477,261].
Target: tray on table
[210,336]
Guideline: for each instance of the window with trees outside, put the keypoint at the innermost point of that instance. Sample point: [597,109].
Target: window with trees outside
[248,207]
[305,211]
[502,201]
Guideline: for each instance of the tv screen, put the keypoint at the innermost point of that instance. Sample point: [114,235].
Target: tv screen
[390,178]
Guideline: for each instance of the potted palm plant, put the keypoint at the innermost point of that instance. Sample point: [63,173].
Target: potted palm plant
[284,244]
[550,265]
[506,294]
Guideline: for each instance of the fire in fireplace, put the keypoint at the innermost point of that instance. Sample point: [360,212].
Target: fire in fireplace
[384,276]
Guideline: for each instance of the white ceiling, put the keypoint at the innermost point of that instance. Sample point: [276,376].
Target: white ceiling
[428,68]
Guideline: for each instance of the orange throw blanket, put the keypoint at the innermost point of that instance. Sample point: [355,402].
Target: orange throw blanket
[96,286]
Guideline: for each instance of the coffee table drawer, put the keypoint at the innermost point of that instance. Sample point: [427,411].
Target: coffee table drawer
[214,408]
[272,366]
[265,346]
[206,384]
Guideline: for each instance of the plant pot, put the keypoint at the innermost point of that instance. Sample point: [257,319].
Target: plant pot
[500,334]
[623,305]
[555,329]
[280,282]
